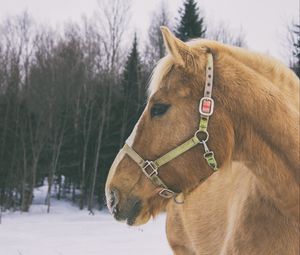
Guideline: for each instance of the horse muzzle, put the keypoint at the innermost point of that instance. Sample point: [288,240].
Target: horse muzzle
[126,211]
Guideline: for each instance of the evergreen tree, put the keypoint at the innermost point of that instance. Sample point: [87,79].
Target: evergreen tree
[133,90]
[191,23]
[132,70]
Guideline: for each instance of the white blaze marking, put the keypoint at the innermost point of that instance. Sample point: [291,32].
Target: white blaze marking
[130,139]
[118,159]
[111,173]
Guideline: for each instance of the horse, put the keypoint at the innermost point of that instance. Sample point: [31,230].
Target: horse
[220,133]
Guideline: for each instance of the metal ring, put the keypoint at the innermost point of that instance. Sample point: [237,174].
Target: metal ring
[204,132]
[177,201]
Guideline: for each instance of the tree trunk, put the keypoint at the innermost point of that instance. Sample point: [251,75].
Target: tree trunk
[99,141]
[86,136]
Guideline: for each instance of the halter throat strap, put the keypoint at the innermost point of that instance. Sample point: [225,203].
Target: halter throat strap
[201,136]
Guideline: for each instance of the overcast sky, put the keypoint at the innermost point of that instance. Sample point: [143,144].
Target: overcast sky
[264,22]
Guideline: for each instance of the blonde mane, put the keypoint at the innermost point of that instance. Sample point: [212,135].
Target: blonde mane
[161,69]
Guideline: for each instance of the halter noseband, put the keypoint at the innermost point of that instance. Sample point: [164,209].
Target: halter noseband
[206,108]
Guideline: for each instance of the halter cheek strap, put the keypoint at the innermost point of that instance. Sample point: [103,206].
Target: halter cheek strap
[206,109]
[201,136]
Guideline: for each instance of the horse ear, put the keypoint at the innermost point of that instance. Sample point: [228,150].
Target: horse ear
[179,50]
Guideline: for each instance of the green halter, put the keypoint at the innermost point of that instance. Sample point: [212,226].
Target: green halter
[201,136]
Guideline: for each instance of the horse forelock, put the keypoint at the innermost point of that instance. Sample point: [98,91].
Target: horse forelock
[162,68]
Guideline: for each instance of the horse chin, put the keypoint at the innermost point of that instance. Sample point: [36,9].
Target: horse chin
[141,219]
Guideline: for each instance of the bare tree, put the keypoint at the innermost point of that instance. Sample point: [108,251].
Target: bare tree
[97,156]
[113,19]
[17,34]
[61,105]
[88,114]
[155,48]
[35,117]
[67,79]
[223,34]
[57,142]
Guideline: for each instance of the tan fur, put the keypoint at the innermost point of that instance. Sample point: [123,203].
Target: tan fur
[230,213]
[246,209]
[232,206]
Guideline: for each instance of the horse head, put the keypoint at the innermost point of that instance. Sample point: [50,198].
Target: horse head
[170,118]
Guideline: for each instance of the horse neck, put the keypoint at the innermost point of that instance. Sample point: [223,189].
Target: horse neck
[266,129]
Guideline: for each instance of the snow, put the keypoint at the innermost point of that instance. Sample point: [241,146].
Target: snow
[68,231]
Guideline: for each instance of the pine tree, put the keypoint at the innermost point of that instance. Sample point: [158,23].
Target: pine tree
[133,90]
[191,23]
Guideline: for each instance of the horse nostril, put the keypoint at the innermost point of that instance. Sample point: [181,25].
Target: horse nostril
[113,200]
[115,210]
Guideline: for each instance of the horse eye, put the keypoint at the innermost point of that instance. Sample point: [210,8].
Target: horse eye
[159,109]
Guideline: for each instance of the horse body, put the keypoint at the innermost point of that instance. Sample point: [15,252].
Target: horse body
[238,210]
[251,207]
[228,214]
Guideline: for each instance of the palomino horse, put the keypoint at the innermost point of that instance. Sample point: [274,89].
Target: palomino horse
[249,113]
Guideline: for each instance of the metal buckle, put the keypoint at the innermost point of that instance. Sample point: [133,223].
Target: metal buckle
[166,193]
[208,154]
[154,168]
[206,110]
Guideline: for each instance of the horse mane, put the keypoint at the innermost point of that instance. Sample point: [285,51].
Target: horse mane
[270,68]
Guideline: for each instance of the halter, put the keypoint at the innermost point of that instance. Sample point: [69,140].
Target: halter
[201,136]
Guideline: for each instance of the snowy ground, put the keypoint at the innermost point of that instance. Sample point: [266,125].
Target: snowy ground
[69,231]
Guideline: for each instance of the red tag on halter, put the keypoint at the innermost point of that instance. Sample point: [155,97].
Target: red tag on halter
[206,106]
